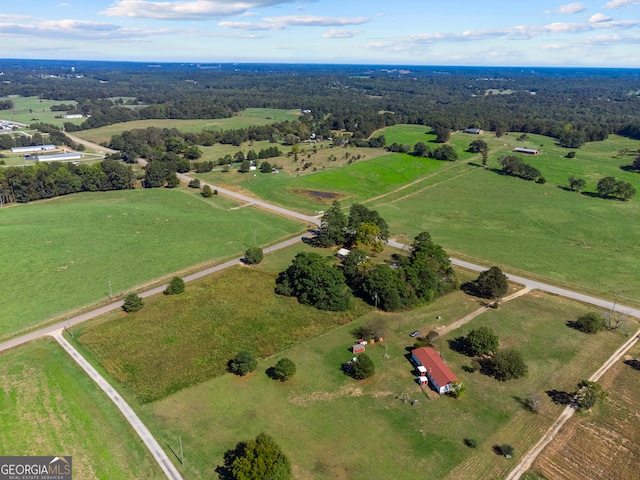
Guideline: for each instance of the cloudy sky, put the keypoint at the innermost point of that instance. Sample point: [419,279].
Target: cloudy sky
[401,32]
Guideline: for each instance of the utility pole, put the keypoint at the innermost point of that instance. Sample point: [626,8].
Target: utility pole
[181,454]
[110,290]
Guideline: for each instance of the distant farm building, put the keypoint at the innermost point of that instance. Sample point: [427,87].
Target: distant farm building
[474,131]
[60,157]
[430,365]
[358,348]
[33,149]
[528,151]
[73,115]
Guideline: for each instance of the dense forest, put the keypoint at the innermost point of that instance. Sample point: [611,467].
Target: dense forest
[572,105]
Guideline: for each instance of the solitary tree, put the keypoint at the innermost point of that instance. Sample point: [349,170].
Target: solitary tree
[588,394]
[245,166]
[443,134]
[508,364]
[284,369]
[576,184]
[492,283]
[207,192]
[243,363]
[175,287]
[591,322]
[253,255]
[364,367]
[258,459]
[482,341]
[132,303]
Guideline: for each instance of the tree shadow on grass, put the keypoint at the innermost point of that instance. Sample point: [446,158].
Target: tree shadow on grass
[560,397]
[633,363]
[629,168]
[460,345]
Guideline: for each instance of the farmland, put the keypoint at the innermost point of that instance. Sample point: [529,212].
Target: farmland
[181,340]
[606,440]
[316,416]
[115,240]
[33,109]
[50,407]
[245,118]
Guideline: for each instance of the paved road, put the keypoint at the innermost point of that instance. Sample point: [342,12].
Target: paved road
[87,143]
[534,284]
[118,305]
[143,432]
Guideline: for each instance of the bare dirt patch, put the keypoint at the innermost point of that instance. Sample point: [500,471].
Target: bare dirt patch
[346,391]
[318,195]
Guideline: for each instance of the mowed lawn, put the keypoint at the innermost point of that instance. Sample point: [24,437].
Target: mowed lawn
[64,253]
[50,407]
[243,119]
[178,341]
[333,427]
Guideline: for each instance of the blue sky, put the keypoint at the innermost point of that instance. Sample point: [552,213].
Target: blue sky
[603,33]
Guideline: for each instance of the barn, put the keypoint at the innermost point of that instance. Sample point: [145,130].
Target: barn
[33,148]
[528,151]
[430,364]
[474,131]
[60,157]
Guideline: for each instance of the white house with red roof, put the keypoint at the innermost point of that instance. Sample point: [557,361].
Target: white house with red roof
[430,364]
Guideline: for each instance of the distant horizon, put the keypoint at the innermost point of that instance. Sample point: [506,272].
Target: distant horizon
[549,33]
[151,63]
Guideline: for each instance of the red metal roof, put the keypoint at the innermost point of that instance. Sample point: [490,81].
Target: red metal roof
[430,359]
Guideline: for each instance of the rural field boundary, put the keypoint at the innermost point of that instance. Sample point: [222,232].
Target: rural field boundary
[143,432]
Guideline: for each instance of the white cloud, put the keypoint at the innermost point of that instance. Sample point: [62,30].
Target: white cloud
[76,29]
[12,17]
[63,5]
[181,10]
[569,8]
[621,3]
[598,18]
[314,21]
[280,23]
[337,33]
[250,26]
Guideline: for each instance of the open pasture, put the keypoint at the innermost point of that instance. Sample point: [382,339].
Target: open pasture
[243,119]
[178,341]
[50,407]
[33,109]
[352,183]
[317,415]
[70,251]
[606,440]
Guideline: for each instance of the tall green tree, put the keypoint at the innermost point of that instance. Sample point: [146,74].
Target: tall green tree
[508,364]
[333,227]
[492,283]
[314,281]
[482,341]
[364,367]
[243,363]
[284,369]
[175,287]
[259,459]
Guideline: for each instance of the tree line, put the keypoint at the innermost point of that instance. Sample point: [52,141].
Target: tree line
[53,179]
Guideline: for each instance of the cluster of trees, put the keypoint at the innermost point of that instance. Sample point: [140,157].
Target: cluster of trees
[6,104]
[363,227]
[588,394]
[609,187]
[514,166]
[411,281]
[52,179]
[420,149]
[504,364]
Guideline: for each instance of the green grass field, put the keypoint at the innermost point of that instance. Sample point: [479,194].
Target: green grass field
[61,254]
[182,340]
[33,109]
[245,118]
[333,427]
[50,407]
